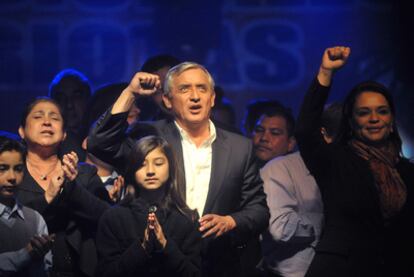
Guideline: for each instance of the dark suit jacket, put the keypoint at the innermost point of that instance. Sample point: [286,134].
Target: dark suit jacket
[356,240]
[235,186]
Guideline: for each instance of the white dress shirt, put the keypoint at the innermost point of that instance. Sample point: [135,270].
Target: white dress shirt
[197,165]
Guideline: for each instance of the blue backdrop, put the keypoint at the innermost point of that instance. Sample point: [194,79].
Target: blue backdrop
[254,48]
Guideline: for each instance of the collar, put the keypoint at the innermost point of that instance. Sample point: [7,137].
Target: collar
[208,142]
[17,208]
[113,176]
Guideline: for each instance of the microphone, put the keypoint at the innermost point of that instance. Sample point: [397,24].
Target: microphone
[152,209]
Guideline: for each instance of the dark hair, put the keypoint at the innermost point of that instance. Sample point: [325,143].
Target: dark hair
[29,107]
[69,73]
[157,62]
[174,191]
[346,129]
[10,142]
[256,108]
[274,108]
[331,119]
[223,106]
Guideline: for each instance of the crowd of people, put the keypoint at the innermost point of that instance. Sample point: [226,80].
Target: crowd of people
[152,178]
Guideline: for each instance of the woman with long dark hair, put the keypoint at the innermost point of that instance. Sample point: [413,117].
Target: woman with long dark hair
[365,182]
[153,232]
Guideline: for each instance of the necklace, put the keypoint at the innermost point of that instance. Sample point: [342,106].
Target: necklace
[43,176]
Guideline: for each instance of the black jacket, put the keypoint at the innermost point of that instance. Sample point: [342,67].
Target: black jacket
[121,231]
[356,240]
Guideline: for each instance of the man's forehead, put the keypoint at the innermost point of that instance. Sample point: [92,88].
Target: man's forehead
[276,121]
[191,73]
[70,83]
[11,156]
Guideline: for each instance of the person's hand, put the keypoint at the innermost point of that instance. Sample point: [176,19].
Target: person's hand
[130,190]
[154,227]
[333,59]
[40,245]
[68,171]
[70,166]
[116,190]
[144,84]
[212,224]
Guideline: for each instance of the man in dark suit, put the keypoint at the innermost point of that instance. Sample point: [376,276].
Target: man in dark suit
[221,176]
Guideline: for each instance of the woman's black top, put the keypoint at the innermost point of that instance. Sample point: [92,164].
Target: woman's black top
[73,216]
[356,240]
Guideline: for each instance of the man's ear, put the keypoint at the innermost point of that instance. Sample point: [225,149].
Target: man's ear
[213,99]
[21,132]
[327,138]
[85,144]
[166,101]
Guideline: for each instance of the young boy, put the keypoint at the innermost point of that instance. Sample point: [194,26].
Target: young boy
[24,239]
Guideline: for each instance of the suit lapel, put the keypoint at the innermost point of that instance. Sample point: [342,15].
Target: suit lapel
[172,135]
[221,152]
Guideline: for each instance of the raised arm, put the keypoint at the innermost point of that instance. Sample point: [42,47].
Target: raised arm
[141,84]
[333,59]
[108,139]
[308,135]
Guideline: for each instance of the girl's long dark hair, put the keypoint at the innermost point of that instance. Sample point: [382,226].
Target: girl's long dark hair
[174,197]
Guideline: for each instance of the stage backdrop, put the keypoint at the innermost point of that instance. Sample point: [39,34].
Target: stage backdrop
[254,48]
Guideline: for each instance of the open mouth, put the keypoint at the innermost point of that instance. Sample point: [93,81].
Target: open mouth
[47,132]
[195,108]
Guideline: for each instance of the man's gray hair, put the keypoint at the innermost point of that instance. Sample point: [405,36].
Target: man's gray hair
[180,68]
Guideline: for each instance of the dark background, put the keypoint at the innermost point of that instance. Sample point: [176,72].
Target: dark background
[254,49]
